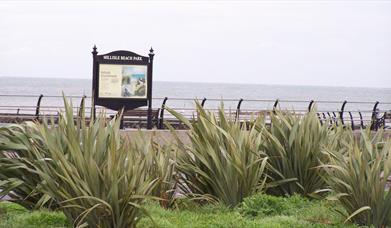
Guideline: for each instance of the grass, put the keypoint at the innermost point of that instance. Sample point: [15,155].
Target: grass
[295,211]
[256,211]
[15,216]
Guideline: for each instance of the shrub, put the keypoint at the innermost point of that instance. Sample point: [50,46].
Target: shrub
[89,170]
[293,144]
[161,164]
[224,161]
[18,183]
[357,175]
[262,205]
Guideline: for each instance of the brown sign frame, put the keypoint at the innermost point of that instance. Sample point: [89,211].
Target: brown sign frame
[122,57]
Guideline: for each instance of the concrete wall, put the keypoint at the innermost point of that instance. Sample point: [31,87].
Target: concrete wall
[164,136]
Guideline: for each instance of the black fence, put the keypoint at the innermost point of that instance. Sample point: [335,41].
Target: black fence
[357,114]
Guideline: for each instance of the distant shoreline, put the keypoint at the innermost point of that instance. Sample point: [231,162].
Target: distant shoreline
[213,83]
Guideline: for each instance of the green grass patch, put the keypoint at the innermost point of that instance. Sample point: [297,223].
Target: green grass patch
[209,217]
[15,216]
[256,211]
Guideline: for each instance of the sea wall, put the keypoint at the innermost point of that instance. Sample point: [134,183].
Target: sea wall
[164,136]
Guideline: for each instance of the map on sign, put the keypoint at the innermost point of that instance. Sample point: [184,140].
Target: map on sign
[122,81]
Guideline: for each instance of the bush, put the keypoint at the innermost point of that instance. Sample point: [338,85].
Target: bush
[89,170]
[294,146]
[262,205]
[161,164]
[18,183]
[224,161]
[357,175]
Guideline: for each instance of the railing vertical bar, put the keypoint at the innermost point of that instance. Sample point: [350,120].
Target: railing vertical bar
[310,105]
[163,107]
[374,116]
[361,120]
[238,109]
[351,119]
[38,106]
[203,102]
[275,106]
[342,111]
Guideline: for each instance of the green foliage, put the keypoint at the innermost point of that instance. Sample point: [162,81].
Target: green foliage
[90,171]
[8,207]
[315,211]
[212,217]
[297,212]
[261,205]
[224,160]
[161,164]
[19,183]
[13,215]
[357,174]
[293,144]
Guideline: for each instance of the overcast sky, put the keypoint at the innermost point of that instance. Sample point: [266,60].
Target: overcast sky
[338,43]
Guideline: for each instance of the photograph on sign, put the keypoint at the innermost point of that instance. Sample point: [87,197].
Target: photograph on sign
[122,81]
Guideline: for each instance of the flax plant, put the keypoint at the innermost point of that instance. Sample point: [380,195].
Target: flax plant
[16,181]
[294,144]
[358,176]
[223,161]
[160,156]
[90,171]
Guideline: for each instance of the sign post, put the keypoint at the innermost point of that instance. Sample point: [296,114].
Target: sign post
[122,80]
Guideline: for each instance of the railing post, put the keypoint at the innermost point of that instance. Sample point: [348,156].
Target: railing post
[310,105]
[162,113]
[374,116]
[351,119]
[275,106]
[38,106]
[238,109]
[203,102]
[361,120]
[341,112]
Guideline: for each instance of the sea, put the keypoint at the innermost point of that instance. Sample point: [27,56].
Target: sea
[23,91]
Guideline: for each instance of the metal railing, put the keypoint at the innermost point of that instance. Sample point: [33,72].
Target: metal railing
[357,114]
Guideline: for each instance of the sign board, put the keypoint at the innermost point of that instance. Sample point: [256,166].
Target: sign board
[122,80]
